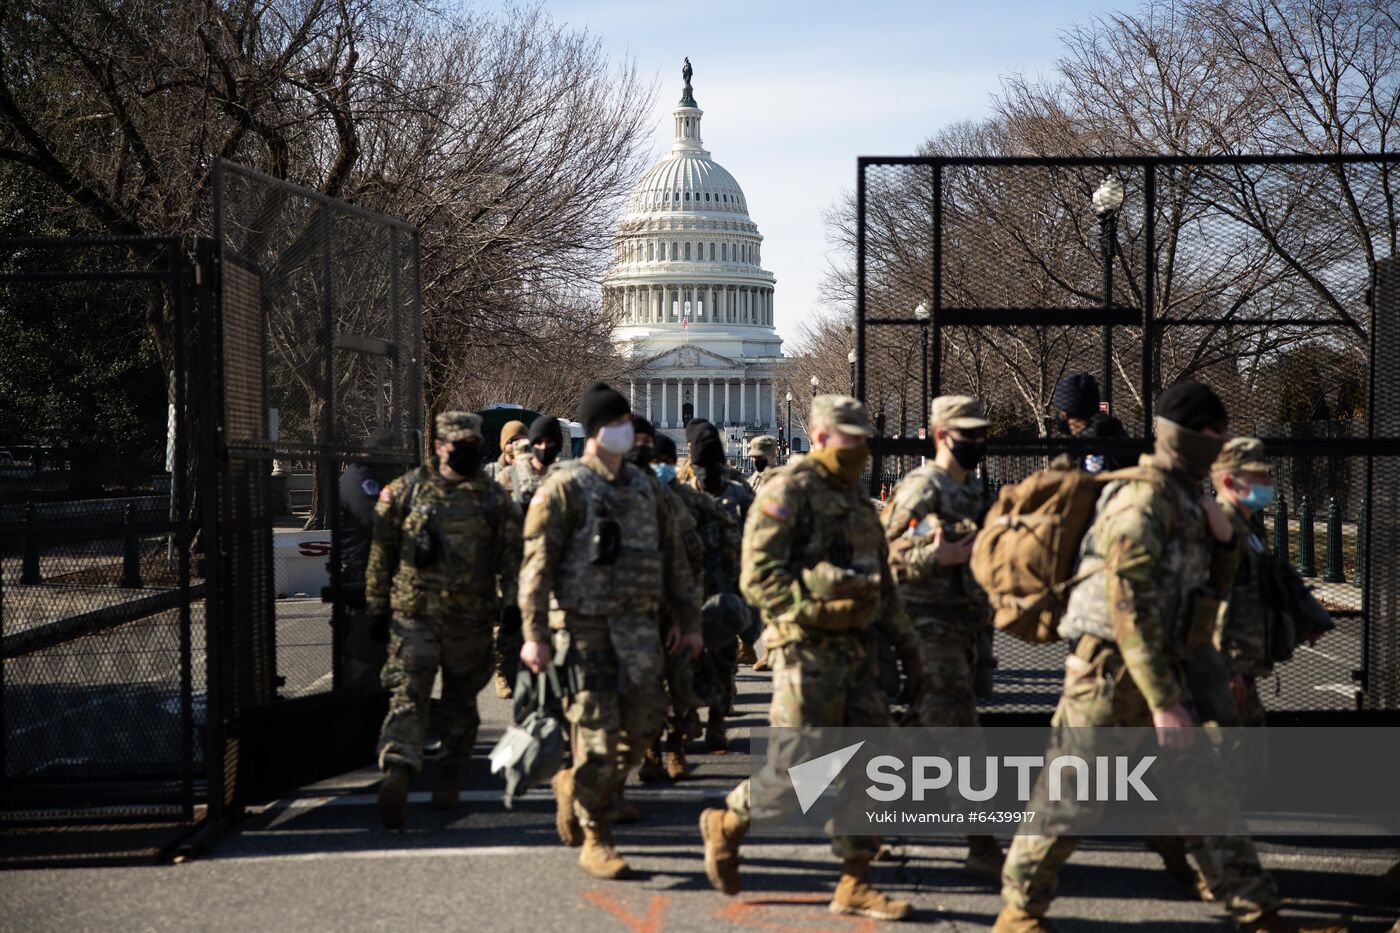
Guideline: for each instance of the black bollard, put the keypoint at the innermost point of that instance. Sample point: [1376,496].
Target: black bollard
[1281,529]
[29,571]
[1335,573]
[1307,555]
[131,550]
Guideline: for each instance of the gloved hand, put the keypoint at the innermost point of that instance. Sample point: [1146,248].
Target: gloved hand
[379,628]
[911,665]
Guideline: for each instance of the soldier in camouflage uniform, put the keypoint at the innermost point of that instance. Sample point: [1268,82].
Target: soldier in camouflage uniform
[708,529]
[763,451]
[445,537]
[602,555]
[814,563]
[709,476]
[531,459]
[930,524]
[1160,558]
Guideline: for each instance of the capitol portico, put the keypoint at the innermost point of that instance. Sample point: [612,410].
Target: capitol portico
[693,302]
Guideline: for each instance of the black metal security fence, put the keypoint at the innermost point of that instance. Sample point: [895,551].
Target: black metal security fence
[1267,277]
[101,613]
[315,356]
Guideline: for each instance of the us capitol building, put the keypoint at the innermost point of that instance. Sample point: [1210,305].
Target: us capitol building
[693,302]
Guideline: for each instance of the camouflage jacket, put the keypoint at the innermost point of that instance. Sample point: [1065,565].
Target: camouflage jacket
[521,480]
[721,537]
[472,533]
[1249,619]
[929,492]
[580,503]
[1148,556]
[805,527]
[758,478]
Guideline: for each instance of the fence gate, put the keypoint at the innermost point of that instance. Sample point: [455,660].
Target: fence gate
[314,350]
[1270,278]
[102,714]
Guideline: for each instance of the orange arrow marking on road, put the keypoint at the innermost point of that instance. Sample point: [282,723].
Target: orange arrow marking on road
[651,923]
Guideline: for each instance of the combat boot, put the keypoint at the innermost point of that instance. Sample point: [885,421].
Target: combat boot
[625,812]
[504,690]
[746,653]
[677,768]
[1016,920]
[1273,923]
[565,820]
[722,832]
[1172,850]
[446,793]
[854,895]
[715,738]
[764,663]
[652,771]
[599,856]
[393,796]
[984,859]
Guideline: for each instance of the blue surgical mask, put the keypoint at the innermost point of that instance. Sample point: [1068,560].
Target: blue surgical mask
[665,472]
[1260,497]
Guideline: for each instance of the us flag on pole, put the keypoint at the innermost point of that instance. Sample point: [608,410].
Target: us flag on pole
[685,321]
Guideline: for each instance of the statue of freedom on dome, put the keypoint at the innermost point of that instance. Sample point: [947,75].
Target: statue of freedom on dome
[687,96]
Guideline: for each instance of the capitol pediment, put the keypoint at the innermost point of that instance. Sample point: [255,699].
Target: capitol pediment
[690,357]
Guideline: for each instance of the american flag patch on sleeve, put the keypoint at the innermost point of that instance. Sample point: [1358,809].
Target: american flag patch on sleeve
[774,511]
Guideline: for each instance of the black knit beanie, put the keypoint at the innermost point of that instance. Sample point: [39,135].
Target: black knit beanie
[706,448]
[546,428]
[665,449]
[1077,395]
[599,405]
[1193,406]
[641,425]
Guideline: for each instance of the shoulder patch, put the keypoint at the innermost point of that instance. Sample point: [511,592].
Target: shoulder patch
[384,494]
[774,510]
[370,487]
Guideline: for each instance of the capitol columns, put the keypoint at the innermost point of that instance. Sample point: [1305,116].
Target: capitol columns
[710,412]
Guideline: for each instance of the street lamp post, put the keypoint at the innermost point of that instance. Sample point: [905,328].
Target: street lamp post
[1107,200]
[921,313]
[851,358]
[787,454]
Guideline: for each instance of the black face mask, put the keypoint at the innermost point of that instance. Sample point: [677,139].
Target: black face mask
[712,479]
[640,456]
[547,454]
[465,457]
[760,463]
[969,453]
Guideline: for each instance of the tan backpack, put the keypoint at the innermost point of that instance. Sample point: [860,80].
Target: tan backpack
[1028,548]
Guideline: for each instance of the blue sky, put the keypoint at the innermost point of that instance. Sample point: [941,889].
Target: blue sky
[793,92]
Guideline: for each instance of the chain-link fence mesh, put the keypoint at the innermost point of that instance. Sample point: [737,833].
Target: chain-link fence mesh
[318,366]
[996,277]
[99,609]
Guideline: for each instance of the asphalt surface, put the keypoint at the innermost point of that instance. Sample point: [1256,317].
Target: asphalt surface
[317,860]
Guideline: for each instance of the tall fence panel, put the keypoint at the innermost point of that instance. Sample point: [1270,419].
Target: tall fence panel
[315,360]
[100,603]
[994,277]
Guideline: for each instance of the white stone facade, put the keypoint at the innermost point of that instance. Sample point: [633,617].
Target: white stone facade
[692,300]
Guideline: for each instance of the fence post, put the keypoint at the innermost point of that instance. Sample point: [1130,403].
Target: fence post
[131,550]
[1362,521]
[1335,572]
[29,571]
[1281,528]
[1307,554]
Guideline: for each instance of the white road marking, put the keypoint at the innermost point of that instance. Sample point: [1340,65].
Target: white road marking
[1346,690]
[474,796]
[1323,654]
[489,851]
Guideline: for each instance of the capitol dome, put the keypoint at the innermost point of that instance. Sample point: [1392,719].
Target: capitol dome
[692,302]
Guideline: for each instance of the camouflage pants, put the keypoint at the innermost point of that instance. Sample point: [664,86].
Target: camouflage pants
[418,647]
[619,662]
[815,683]
[1223,860]
[1100,692]
[727,663]
[950,667]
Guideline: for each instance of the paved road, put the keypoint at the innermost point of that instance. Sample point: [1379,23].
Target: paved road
[317,861]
